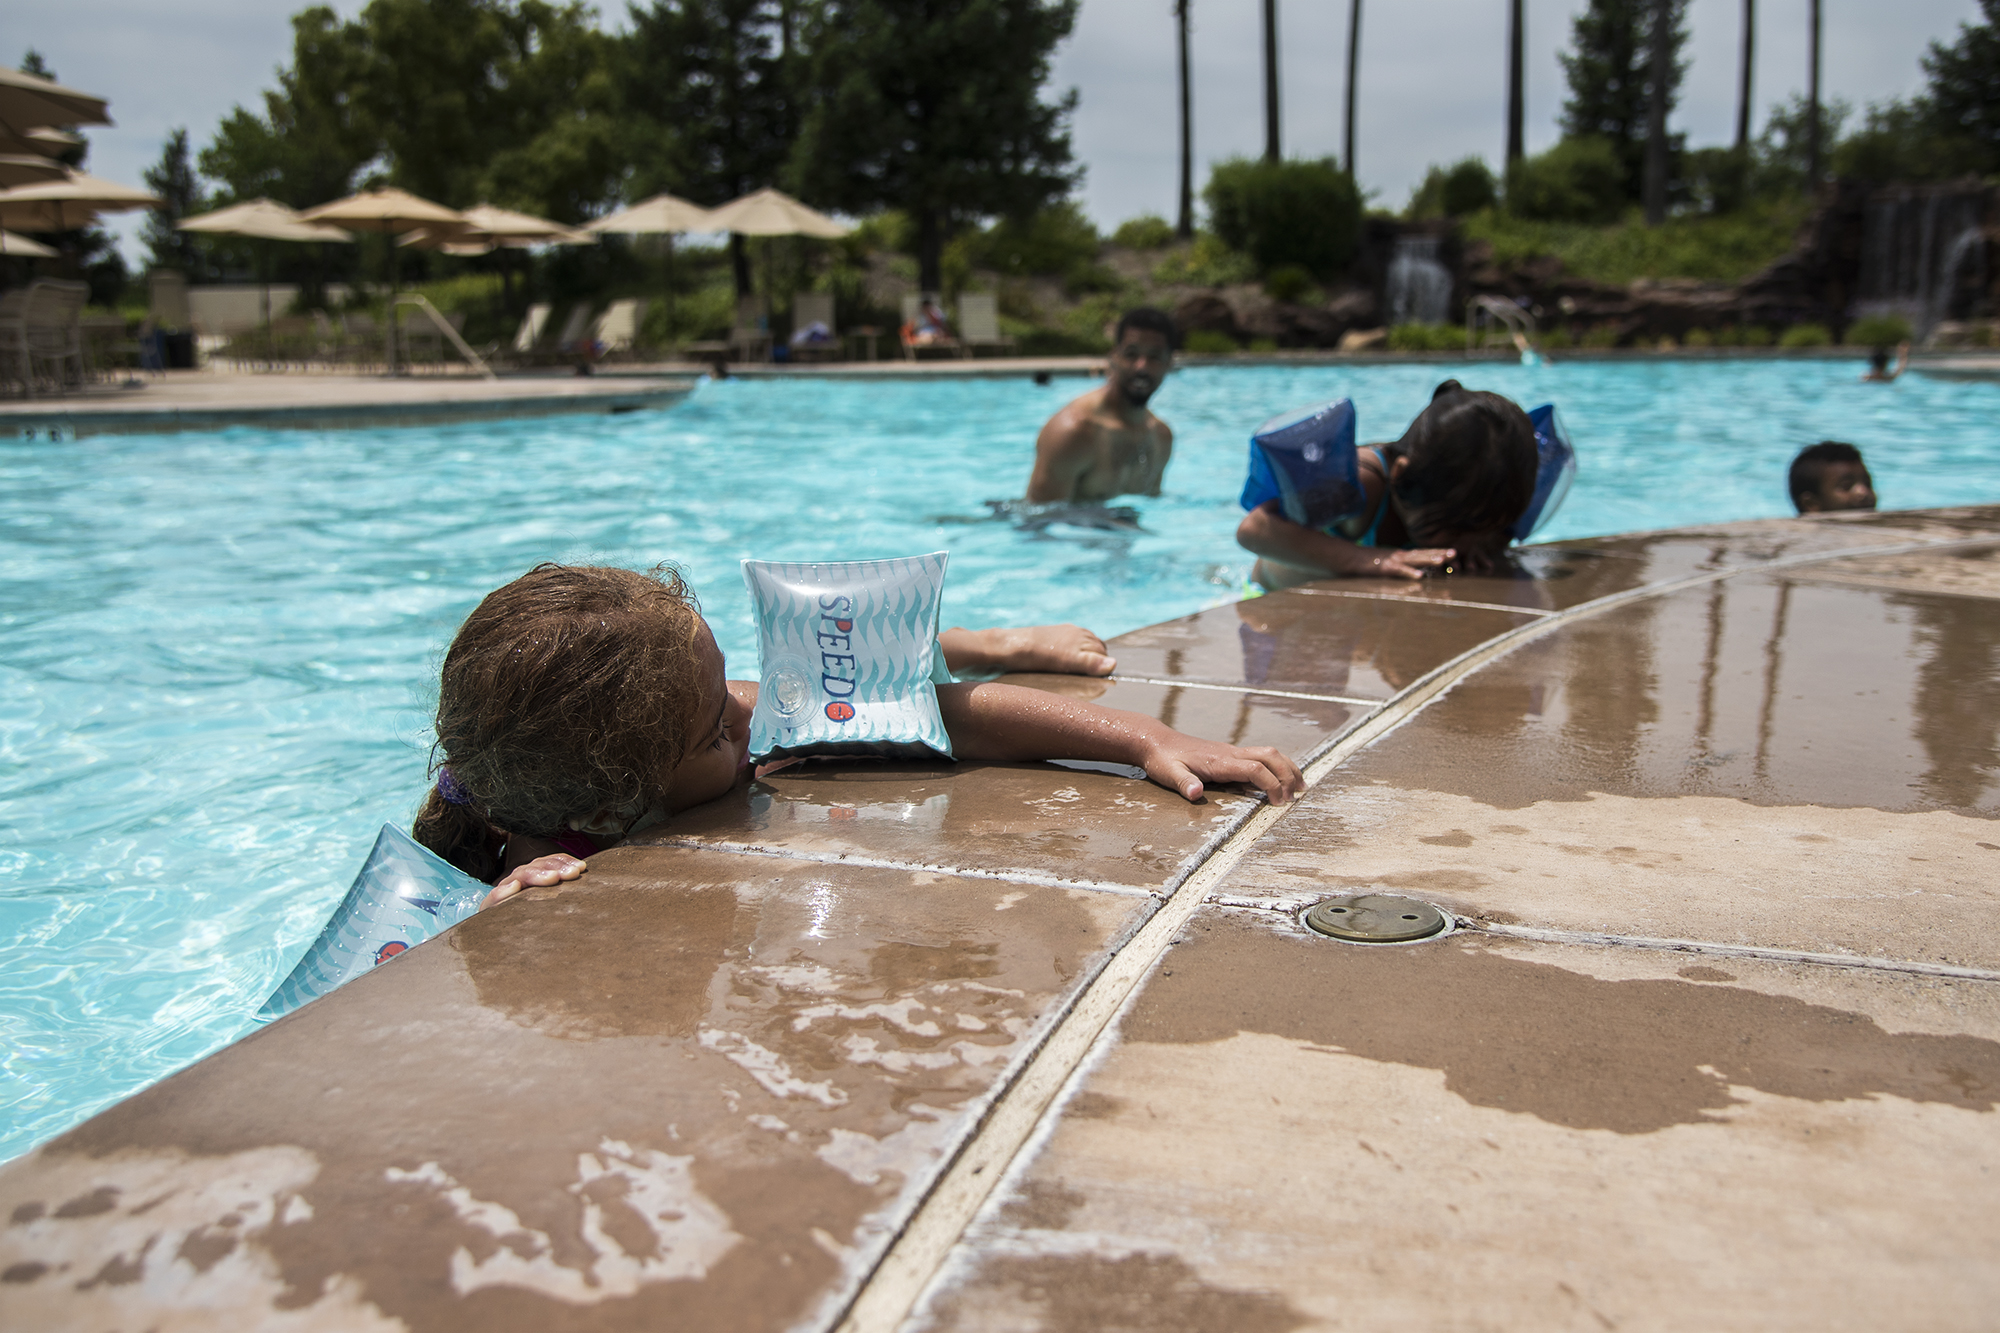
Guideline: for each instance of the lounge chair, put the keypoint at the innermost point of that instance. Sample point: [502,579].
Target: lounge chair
[41,326]
[530,332]
[979,323]
[915,343]
[617,330]
[814,337]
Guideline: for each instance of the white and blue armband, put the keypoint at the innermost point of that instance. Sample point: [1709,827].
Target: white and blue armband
[403,896]
[1555,469]
[1305,461]
[849,657]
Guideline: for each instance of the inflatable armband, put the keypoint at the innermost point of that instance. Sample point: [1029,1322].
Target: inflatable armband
[404,895]
[850,658]
[1305,461]
[1554,471]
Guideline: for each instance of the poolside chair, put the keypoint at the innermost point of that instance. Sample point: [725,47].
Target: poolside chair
[915,344]
[617,329]
[979,323]
[574,330]
[41,326]
[360,341]
[530,332]
[812,314]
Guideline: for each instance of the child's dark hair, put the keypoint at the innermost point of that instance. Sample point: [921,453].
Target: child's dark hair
[1472,461]
[568,690]
[1152,320]
[1809,468]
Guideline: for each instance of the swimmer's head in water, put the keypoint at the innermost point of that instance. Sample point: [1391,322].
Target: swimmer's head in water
[1464,471]
[1142,352]
[1829,477]
[567,692]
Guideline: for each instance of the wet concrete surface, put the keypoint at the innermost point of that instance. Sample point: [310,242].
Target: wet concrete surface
[1293,1133]
[715,1083]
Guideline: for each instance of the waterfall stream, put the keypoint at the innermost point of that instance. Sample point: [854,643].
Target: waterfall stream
[1419,286]
[1922,256]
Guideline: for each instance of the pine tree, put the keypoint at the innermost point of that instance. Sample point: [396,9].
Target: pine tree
[173,180]
[1964,94]
[936,110]
[1609,85]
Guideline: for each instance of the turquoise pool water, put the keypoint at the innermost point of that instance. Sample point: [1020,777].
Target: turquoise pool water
[215,649]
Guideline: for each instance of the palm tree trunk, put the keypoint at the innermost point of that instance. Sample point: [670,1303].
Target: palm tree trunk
[1271,152]
[1655,188]
[1749,63]
[1353,77]
[1812,95]
[1184,227]
[1516,111]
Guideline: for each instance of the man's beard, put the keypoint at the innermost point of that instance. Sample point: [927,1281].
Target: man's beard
[1136,395]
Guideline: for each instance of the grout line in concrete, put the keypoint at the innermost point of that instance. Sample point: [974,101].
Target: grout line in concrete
[917,1254]
[1247,689]
[1424,601]
[1710,947]
[1011,876]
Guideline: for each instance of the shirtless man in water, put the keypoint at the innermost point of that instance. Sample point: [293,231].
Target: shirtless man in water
[1106,443]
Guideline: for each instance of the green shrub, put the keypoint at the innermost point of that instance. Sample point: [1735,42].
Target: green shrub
[1713,249]
[1263,345]
[1288,282]
[1464,187]
[1806,335]
[1878,331]
[1426,338]
[1058,241]
[1754,335]
[1578,180]
[1144,233]
[1556,339]
[1208,342]
[1602,335]
[1698,338]
[1301,212]
[1209,262]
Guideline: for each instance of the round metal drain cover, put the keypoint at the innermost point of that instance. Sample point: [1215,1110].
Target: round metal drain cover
[1375,918]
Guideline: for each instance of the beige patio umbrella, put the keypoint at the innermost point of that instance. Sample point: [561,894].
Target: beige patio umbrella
[263,220]
[485,228]
[29,169]
[44,142]
[772,213]
[74,201]
[28,101]
[392,211]
[662,215]
[22,248]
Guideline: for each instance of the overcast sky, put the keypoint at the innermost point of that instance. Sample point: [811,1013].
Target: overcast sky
[1433,77]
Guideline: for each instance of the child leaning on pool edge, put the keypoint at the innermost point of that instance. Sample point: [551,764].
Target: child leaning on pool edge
[580,706]
[1448,493]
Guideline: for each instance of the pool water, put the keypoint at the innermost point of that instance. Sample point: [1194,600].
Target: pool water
[216,649]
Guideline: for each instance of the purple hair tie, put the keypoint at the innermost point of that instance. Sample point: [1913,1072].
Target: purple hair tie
[447,787]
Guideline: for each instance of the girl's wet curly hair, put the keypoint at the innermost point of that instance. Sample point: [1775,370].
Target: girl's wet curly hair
[569,690]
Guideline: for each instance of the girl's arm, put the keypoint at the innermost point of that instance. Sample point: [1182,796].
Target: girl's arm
[1268,533]
[1006,722]
[1067,650]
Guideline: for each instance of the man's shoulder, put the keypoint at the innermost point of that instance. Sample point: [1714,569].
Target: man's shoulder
[1074,423]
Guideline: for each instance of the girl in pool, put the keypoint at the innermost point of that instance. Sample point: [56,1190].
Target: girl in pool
[580,706]
[1445,496]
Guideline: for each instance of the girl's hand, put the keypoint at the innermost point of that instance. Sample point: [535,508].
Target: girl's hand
[1391,564]
[1180,763]
[539,873]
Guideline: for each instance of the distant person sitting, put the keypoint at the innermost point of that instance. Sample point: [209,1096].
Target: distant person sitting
[1878,367]
[1446,496]
[1829,477]
[1107,443]
[1879,371]
[928,328]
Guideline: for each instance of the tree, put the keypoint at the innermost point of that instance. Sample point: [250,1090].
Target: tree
[1609,80]
[713,86]
[173,180]
[1964,95]
[1184,226]
[936,110]
[313,138]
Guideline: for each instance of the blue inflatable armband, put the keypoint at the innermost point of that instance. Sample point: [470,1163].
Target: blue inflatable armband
[1555,469]
[404,895]
[1305,461]
[850,658]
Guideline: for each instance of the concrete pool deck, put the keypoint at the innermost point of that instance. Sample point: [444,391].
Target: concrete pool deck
[1712,1039]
